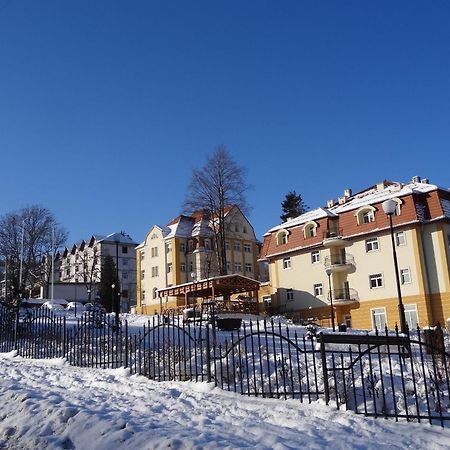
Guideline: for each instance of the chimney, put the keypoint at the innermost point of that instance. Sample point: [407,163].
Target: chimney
[425,181]
[330,203]
[347,192]
[342,200]
[415,179]
[380,186]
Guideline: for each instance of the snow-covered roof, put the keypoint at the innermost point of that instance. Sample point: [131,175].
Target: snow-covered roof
[315,214]
[122,238]
[377,195]
[446,207]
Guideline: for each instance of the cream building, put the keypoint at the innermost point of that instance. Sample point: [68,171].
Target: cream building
[81,266]
[183,251]
[344,253]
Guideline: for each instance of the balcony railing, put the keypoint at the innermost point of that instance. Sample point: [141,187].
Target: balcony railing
[333,233]
[344,295]
[339,260]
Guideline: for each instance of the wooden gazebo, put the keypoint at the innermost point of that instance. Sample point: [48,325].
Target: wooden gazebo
[212,288]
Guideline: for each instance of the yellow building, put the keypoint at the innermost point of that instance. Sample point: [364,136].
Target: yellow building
[183,251]
[343,253]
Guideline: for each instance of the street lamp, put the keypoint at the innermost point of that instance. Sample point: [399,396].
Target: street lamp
[328,271]
[389,207]
[116,298]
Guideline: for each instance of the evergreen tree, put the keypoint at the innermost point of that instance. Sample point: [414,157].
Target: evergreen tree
[107,293]
[293,206]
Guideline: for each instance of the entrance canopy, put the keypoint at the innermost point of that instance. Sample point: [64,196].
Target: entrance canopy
[212,287]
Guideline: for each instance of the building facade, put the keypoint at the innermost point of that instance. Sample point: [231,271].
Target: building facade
[81,266]
[343,253]
[183,251]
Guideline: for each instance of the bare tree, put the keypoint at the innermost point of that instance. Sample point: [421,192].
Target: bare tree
[89,269]
[220,184]
[28,236]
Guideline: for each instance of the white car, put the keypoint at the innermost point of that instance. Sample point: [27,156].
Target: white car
[52,306]
[71,306]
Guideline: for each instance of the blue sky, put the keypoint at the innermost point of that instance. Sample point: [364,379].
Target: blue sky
[106,106]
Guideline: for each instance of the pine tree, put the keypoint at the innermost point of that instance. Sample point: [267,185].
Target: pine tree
[293,206]
[108,279]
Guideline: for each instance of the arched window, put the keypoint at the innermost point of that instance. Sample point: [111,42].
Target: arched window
[366,214]
[310,229]
[282,237]
[398,209]
[155,293]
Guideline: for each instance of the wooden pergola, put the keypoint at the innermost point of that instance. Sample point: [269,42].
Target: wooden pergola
[224,285]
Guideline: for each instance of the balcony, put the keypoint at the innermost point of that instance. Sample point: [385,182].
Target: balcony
[344,296]
[333,238]
[340,263]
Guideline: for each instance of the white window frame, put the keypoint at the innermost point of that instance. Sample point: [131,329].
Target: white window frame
[248,267]
[376,276]
[247,248]
[405,276]
[282,237]
[378,312]
[287,264]
[399,242]
[410,312]
[289,294]
[315,257]
[318,289]
[372,245]
[237,266]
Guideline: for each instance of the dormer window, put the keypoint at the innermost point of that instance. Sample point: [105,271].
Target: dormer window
[398,208]
[310,230]
[366,214]
[282,237]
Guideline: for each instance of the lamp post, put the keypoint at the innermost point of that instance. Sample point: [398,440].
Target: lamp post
[328,272]
[389,207]
[116,298]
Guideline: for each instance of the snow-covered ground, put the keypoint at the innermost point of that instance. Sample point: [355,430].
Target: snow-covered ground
[47,404]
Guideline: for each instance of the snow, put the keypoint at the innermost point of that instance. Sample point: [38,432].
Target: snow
[48,404]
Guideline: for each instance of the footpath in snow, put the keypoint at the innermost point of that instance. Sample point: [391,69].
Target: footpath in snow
[47,404]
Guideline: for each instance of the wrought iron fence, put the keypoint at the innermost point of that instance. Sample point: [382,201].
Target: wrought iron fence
[381,375]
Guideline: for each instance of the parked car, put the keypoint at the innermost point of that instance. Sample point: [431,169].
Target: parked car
[52,306]
[94,307]
[78,306]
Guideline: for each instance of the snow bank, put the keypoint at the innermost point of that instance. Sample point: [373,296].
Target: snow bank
[51,405]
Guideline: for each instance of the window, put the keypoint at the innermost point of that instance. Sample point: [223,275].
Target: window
[155,293]
[237,267]
[400,238]
[125,261]
[376,280]
[236,228]
[318,289]
[142,255]
[207,244]
[289,294]
[405,276]
[348,320]
[315,257]
[190,245]
[142,274]
[154,252]
[154,271]
[169,267]
[286,263]
[366,214]
[379,318]
[227,245]
[228,266]
[267,300]
[168,247]
[372,244]
[143,297]
[124,249]
[182,247]
[248,267]
[237,246]
[247,248]
[310,230]
[411,316]
[191,266]
[282,237]
[183,267]
[244,230]
[125,275]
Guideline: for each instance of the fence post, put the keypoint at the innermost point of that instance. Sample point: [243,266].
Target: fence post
[326,386]
[126,343]
[208,355]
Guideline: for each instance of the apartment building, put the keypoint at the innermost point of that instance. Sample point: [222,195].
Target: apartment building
[80,266]
[343,253]
[183,251]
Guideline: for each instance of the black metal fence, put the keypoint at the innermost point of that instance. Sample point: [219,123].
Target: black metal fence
[380,375]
